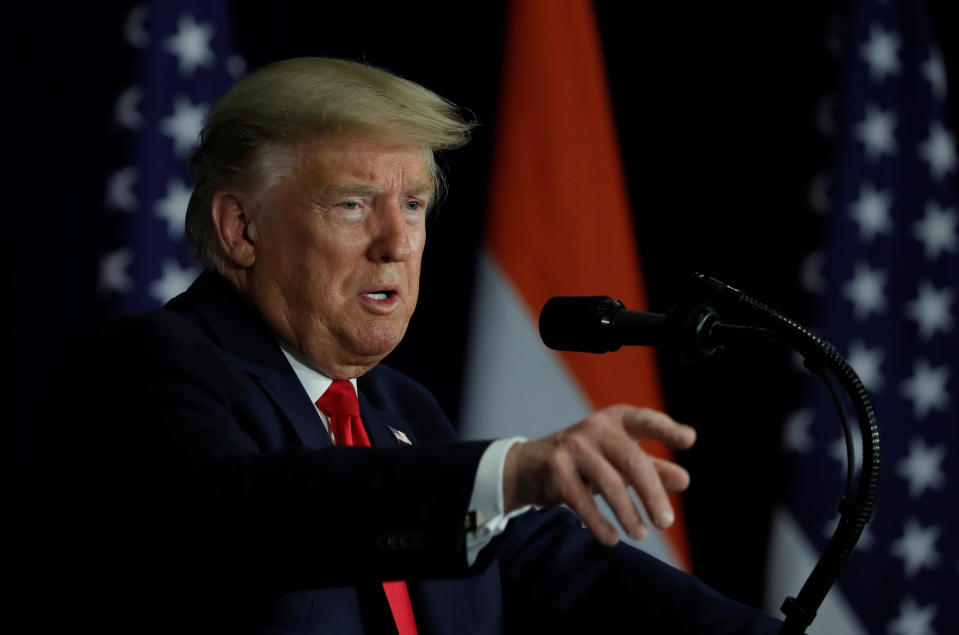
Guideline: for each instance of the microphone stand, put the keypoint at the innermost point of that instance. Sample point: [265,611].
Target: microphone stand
[855,508]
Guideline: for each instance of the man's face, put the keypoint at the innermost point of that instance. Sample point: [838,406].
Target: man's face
[338,244]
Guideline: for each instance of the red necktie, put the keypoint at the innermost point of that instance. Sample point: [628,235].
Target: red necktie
[340,404]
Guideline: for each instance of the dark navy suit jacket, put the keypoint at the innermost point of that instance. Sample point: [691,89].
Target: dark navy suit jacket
[206,496]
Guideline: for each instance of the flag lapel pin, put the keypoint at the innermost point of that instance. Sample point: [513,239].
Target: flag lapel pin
[400,435]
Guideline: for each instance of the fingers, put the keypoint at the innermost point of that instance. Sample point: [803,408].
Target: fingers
[674,477]
[579,497]
[639,470]
[605,479]
[602,454]
[646,424]
[559,470]
[652,479]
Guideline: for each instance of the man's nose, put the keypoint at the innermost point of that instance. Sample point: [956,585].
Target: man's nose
[393,235]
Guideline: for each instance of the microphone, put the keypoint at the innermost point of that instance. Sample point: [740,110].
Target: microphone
[600,324]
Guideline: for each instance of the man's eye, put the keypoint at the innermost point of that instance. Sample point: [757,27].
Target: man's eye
[414,205]
[349,204]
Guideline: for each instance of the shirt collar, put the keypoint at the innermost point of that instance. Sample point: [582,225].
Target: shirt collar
[314,382]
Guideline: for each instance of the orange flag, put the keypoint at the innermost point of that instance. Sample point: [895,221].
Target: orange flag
[559,223]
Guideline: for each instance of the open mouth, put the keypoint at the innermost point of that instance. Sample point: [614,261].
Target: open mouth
[380,295]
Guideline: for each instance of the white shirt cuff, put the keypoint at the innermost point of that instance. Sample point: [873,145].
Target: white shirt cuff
[486,501]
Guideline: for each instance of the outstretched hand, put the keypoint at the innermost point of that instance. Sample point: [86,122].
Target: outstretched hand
[601,454]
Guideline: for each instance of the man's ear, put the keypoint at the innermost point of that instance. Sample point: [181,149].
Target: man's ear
[232,220]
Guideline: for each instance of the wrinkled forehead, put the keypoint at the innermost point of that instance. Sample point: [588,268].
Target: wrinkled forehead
[347,160]
[358,164]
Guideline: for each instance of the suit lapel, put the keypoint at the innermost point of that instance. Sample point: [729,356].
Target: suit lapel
[251,346]
[290,397]
[380,424]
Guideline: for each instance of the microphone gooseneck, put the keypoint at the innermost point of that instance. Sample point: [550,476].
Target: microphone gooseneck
[599,324]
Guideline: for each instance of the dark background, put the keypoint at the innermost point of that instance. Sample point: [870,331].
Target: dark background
[714,104]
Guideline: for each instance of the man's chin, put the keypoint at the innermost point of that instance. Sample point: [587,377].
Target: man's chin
[346,366]
[350,354]
[372,355]
[378,341]
[363,356]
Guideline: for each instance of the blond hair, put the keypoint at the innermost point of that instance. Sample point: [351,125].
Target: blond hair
[248,136]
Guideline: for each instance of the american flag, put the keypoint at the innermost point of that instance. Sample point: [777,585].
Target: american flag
[184,62]
[886,281]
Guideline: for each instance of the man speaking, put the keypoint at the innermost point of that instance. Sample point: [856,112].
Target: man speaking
[252,468]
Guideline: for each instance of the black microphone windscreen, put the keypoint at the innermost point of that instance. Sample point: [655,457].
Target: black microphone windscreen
[583,324]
